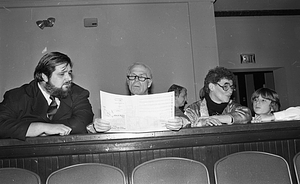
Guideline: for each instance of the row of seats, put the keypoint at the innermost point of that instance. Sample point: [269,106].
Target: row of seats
[245,167]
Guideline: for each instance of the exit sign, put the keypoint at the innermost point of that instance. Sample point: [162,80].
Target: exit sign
[247,58]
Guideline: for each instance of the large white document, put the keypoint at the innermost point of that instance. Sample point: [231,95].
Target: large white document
[137,113]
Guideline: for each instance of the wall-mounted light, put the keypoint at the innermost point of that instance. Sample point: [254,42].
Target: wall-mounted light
[45,23]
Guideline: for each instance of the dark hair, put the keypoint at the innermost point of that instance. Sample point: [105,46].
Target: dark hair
[177,89]
[48,62]
[270,95]
[214,76]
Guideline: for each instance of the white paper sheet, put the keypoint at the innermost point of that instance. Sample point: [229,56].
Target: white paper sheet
[137,113]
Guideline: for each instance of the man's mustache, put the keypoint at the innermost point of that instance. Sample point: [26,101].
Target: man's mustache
[68,83]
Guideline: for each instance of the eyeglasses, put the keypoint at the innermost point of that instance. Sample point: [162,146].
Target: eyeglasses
[226,87]
[140,78]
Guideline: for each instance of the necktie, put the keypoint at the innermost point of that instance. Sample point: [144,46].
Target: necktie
[52,108]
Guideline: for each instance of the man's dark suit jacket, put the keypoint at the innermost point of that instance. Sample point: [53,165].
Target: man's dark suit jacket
[26,104]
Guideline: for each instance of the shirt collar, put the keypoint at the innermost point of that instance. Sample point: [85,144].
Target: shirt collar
[46,95]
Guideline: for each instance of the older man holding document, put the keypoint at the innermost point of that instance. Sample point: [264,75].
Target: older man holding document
[139,80]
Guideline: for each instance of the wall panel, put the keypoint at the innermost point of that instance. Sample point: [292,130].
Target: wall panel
[44,155]
[175,38]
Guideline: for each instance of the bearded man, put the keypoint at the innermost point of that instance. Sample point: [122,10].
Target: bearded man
[51,104]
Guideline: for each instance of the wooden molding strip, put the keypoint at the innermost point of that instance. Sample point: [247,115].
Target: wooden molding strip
[249,13]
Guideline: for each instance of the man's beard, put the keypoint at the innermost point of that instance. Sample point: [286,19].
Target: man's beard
[58,92]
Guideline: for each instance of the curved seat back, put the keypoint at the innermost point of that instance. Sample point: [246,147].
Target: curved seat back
[170,170]
[250,167]
[18,176]
[296,162]
[91,173]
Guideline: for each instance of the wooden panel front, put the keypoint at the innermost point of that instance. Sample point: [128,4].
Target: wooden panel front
[44,155]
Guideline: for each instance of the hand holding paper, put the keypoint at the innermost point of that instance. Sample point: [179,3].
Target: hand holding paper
[137,113]
[174,124]
[101,125]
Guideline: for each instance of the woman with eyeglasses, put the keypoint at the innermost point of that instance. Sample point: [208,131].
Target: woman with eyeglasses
[266,106]
[215,106]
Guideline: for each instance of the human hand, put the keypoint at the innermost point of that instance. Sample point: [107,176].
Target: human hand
[263,118]
[60,129]
[174,124]
[43,129]
[207,121]
[101,125]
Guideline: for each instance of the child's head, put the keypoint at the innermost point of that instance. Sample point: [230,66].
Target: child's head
[264,101]
[180,95]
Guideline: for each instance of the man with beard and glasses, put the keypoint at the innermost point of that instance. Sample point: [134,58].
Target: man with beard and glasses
[51,104]
[215,106]
[139,80]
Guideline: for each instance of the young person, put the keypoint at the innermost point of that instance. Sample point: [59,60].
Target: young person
[180,94]
[266,106]
[265,101]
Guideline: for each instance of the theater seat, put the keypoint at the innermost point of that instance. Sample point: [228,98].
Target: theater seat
[170,170]
[18,176]
[250,167]
[91,173]
[296,161]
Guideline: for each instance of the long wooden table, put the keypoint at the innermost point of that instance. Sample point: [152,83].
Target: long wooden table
[43,155]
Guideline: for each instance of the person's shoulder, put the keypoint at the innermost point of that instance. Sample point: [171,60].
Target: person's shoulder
[235,104]
[194,105]
[77,90]
[19,91]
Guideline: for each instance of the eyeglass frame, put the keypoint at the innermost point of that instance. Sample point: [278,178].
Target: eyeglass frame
[227,86]
[133,77]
